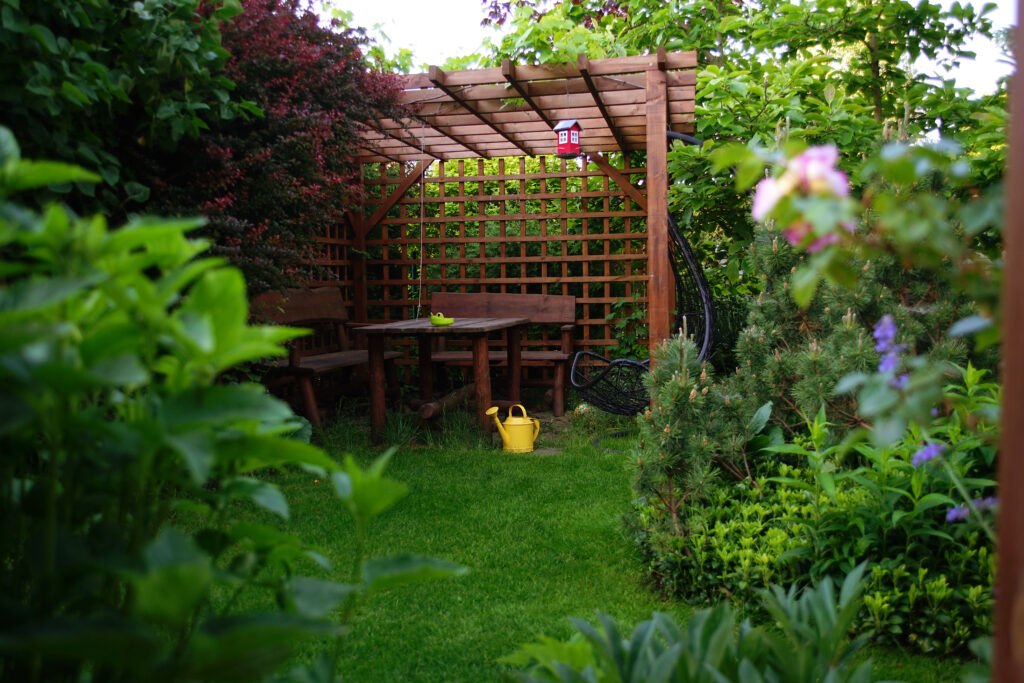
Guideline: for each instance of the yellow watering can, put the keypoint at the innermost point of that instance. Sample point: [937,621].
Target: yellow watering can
[518,433]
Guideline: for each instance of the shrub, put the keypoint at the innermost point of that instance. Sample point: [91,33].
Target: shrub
[126,460]
[823,508]
[86,82]
[268,186]
[811,644]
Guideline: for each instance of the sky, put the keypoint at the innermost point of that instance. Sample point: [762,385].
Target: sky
[435,31]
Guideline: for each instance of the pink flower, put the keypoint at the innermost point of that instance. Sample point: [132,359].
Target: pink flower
[766,196]
[822,242]
[816,169]
[796,233]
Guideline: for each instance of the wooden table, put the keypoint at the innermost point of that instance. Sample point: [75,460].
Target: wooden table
[476,329]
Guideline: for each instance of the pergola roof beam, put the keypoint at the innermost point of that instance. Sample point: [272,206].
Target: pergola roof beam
[437,77]
[583,65]
[399,135]
[445,133]
[508,70]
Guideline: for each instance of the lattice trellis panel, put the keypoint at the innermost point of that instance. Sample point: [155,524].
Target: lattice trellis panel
[520,225]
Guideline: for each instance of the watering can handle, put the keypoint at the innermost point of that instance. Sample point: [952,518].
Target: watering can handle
[520,406]
[536,427]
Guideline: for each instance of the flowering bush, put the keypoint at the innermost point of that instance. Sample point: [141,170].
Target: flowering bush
[810,174]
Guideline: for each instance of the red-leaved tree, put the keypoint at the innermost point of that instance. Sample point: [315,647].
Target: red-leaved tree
[269,185]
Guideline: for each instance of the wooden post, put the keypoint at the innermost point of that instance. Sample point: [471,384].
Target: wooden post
[1009,607]
[660,288]
[359,313]
[426,369]
[377,385]
[482,381]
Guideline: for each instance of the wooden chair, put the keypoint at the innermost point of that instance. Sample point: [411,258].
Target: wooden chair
[328,351]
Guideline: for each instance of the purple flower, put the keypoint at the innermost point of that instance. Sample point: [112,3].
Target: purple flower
[962,512]
[986,503]
[885,334]
[957,514]
[890,361]
[929,452]
[900,382]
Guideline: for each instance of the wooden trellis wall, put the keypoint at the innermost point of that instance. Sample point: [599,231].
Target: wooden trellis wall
[539,226]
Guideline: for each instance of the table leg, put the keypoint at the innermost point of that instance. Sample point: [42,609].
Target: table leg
[515,362]
[482,380]
[377,384]
[426,368]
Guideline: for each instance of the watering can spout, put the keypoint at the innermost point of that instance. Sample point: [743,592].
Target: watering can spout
[517,433]
[493,412]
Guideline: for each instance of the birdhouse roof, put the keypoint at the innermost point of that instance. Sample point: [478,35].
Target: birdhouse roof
[566,125]
[511,110]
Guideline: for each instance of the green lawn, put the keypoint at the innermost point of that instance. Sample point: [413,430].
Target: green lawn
[541,535]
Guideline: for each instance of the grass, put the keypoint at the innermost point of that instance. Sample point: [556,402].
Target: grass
[541,535]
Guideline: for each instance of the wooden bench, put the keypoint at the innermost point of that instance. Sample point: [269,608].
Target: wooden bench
[541,309]
[327,351]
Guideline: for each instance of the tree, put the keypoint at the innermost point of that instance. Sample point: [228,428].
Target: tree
[84,82]
[269,185]
[827,71]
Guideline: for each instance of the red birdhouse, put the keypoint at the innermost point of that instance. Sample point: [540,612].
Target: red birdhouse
[568,138]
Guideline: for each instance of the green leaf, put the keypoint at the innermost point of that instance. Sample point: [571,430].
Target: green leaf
[398,570]
[931,500]
[253,452]
[316,597]
[9,150]
[369,497]
[760,418]
[74,93]
[828,485]
[103,640]
[177,576]
[28,175]
[33,295]
[803,285]
[197,449]
[222,404]
[137,192]
[248,648]
[124,370]
[970,325]
[228,9]
[44,36]
[264,494]
[888,430]
[850,382]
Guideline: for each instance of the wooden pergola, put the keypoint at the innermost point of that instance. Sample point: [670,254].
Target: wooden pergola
[622,104]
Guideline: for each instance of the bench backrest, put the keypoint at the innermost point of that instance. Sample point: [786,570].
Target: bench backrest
[539,308]
[301,305]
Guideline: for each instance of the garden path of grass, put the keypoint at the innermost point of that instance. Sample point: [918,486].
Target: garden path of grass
[541,535]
